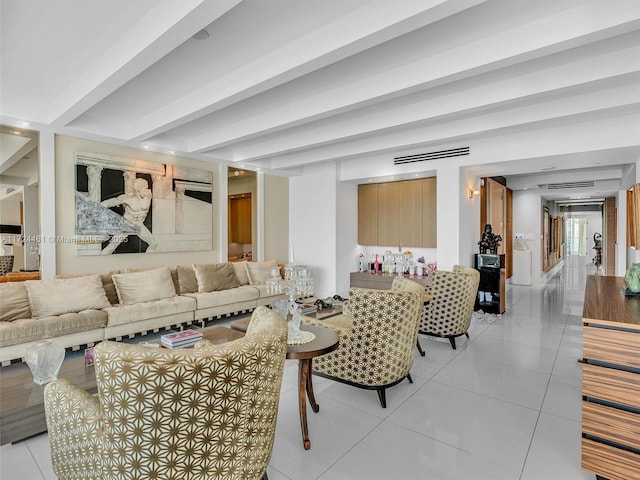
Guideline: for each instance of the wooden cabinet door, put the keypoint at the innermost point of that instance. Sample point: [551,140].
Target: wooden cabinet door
[410,227]
[240,219]
[368,214]
[389,197]
[429,213]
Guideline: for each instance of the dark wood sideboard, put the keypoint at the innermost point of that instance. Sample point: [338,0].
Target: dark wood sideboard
[610,380]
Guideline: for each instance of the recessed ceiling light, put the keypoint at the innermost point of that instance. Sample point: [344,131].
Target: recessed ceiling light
[25,124]
[16,132]
[146,147]
[548,168]
[201,35]
[172,152]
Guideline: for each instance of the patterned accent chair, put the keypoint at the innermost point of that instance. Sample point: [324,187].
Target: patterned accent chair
[376,340]
[449,313]
[403,284]
[206,412]
[6,264]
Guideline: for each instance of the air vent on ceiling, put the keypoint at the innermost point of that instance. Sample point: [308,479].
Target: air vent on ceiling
[10,190]
[422,157]
[560,186]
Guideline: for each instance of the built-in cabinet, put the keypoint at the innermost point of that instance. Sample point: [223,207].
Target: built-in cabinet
[398,213]
[240,218]
[496,209]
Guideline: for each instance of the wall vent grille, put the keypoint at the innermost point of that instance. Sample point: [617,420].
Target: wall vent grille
[423,157]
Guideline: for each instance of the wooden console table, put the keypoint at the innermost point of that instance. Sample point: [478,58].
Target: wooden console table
[610,380]
[382,281]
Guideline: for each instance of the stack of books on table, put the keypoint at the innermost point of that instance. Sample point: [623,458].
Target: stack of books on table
[307,308]
[186,338]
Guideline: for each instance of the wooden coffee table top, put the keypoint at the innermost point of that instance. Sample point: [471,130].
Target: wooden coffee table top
[22,401]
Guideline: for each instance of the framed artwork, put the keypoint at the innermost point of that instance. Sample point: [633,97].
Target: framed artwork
[546,241]
[133,206]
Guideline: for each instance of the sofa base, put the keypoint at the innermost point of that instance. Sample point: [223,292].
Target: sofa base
[15,353]
[117,332]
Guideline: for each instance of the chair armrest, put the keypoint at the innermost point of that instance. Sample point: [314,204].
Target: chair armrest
[74,421]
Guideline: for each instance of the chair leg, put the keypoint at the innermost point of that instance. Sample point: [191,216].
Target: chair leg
[265,476]
[467,334]
[409,378]
[419,347]
[383,397]
[452,341]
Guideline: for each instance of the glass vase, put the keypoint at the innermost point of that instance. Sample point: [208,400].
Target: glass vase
[44,360]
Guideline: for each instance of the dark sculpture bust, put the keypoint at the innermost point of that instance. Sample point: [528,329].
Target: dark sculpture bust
[489,241]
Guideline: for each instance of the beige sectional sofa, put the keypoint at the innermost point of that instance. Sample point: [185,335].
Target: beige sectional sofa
[83,310]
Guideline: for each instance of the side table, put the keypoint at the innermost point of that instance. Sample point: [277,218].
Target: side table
[326,341]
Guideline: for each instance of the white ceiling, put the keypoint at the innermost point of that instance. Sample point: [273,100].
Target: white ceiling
[280,84]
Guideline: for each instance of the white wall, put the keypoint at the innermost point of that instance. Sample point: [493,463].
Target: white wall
[313,225]
[276,218]
[469,218]
[527,220]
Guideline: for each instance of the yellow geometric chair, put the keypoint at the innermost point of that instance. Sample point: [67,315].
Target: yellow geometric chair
[203,413]
[449,312]
[376,340]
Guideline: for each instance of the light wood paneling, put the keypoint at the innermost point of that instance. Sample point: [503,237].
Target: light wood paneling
[368,214]
[410,198]
[240,219]
[508,239]
[429,213]
[389,206]
[609,235]
[398,213]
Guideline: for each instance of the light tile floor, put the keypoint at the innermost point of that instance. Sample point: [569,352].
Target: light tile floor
[504,405]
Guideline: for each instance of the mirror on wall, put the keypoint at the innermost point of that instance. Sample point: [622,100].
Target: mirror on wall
[241,210]
[19,197]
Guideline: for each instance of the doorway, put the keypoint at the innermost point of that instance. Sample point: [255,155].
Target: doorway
[241,217]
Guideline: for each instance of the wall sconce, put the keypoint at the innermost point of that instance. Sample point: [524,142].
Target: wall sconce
[473,193]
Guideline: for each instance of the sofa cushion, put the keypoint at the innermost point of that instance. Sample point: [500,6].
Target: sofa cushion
[107,284]
[144,286]
[69,295]
[33,329]
[213,277]
[121,314]
[241,272]
[225,297]
[187,281]
[259,272]
[14,302]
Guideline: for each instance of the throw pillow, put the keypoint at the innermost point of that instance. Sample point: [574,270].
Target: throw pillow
[70,295]
[107,284]
[187,280]
[259,272]
[14,302]
[144,286]
[216,276]
[241,272]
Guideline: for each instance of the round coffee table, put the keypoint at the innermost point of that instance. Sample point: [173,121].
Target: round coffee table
[326,341]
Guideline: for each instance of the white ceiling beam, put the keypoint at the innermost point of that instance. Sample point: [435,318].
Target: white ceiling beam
[526,83]
[164,28]
[373,24]
[564,109]
[497,50]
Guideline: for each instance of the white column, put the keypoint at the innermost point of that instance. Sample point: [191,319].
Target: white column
[31,228]
[258,235]
[448,185]
[47,204]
